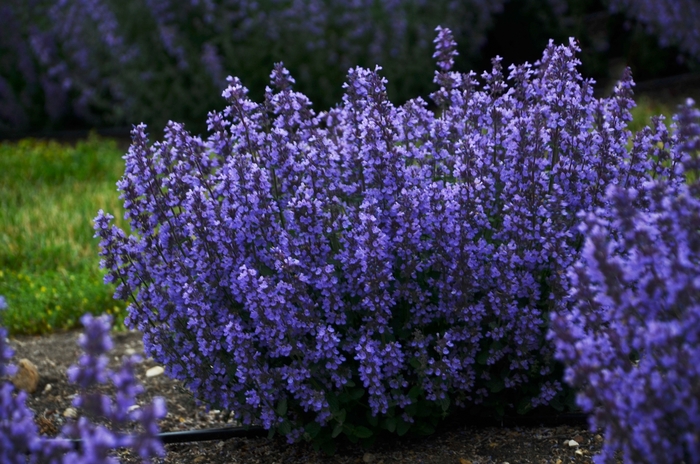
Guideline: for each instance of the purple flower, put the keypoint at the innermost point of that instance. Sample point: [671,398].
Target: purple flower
[19,437]
[295,256]
[631,341]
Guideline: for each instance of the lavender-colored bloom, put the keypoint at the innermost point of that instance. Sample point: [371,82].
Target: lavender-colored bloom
[19,438]
[107,62]
[674,22]
[293,254]
[631,342]
[17,429]
[92,371]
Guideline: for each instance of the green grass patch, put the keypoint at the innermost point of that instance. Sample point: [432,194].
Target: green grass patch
[645,109]
[49,263]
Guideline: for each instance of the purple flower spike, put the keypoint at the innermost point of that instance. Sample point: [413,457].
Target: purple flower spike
[20,441]
[296,263]
[632,339]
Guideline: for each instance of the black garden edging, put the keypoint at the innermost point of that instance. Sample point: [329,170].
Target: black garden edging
[226,433]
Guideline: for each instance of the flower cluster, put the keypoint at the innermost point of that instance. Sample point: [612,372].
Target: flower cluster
[674,22]
[297,267]
[89,59]
[631,343]
[19,437]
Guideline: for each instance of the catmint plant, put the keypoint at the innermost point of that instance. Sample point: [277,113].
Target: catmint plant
[631,342]
[17,428]
[367,267]
[105,62]
[674,22]
[19,436]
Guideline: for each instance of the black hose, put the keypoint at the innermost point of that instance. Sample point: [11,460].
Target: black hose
[225,433]
[189,436]
[212,434]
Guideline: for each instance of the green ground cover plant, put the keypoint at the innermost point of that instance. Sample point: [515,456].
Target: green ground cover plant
[49,269]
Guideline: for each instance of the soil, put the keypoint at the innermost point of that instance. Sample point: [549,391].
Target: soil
[455,442]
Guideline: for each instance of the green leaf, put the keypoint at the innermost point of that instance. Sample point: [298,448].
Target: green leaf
[495,385]
[333,403]
[313,429]
[282,407]
[556,404]
[500,410]
[424,409]
[371,419]
[524,406]
[482,357]
[340,415]
[285,427]
[390,424]
[337,430]
[415,363]
[357,393]
[411,409]
[415,392]
[362,432]
[402,427]
[445,403]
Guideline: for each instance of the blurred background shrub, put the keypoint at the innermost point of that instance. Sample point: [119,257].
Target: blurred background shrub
[76,64]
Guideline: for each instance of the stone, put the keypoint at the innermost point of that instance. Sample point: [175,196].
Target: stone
[27,376]
[154,371]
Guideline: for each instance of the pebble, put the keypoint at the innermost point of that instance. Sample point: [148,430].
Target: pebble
[572,443]
[154,371]
[27,376]
[70,413]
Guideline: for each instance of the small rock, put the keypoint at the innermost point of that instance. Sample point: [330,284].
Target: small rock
[572,443]
[47,388]
[578,438]
[130,351]
[578,452]
[27,377]
[367,457]
[132,407]
[598,438]
[70,413]
[154,371]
